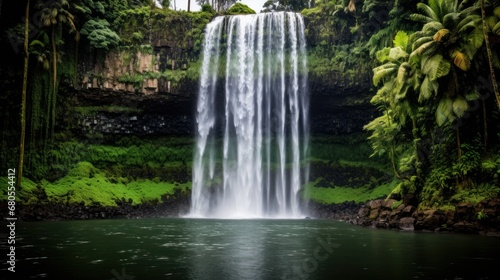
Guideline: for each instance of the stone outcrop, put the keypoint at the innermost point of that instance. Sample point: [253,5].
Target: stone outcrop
[110,74]
[172,206]
[482,218]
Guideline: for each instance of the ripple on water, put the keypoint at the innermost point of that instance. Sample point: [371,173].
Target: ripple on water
[115,233]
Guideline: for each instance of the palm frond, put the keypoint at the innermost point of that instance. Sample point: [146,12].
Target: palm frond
[435,67]
[461,60]
[444,112]
[460,106]
[432,27]
[421,18]
[419,42]
[440,34]
[496,29]
[383,71]
[425,47]
[427,89]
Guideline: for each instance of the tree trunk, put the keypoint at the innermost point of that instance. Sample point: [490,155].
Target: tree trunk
[23,98]
[488,51]
[459,149]
[485,126]
[54,57]
[189,6]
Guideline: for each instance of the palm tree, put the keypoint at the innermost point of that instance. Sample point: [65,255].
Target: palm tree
[446,45]
[54,13]
[488,48]
[400,77]
[23,97]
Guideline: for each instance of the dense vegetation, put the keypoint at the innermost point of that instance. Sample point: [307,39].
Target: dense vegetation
[432,65]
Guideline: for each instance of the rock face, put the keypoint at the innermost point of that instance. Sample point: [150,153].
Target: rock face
[173,206]
[112,73]
[338,106]
[138,115]
[467,218]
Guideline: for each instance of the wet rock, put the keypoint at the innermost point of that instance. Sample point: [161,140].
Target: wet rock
[388,203]
[380,224]
[384,215]
[363,212]
[465,227]
[407,223]
[375,204]
[408,210]
[374,213]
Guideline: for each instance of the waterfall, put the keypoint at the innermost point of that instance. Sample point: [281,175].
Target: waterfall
[252,125]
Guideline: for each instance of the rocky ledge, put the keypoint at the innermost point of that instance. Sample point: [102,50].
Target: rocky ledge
[483,218]
[174,206]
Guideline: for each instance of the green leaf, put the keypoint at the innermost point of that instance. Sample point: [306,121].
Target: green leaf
[474,95]
[427,88]
[476,38]
[37,43]
[435,66]
[420,41]
[491,21]
[383,54]
[420,18]
[460,106]
[403,72]
[401,92]
[428,11]
[496,29]
[432,27]
[401,40]
[397,53]
[444,112]
[496,12]
[424,48]
[496,61]
[382,71]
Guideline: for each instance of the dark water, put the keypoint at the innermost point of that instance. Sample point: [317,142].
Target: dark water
[244,249]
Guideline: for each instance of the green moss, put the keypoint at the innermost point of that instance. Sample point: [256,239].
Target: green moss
[26,193]
[476,194]
[89,185]
[337,195]
[239,9]
[93,110]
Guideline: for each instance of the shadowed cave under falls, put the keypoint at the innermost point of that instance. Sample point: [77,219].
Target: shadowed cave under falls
[252,118]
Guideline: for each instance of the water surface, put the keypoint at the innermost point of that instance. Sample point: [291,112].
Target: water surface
[244,249]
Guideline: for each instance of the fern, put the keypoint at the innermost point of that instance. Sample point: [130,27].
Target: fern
[401,40]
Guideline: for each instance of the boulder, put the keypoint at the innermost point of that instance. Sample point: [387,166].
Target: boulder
[465,227]
[384,215]
[388,203]
[374,213]
[407,223]
[408,210]
[375,204]
[363,212]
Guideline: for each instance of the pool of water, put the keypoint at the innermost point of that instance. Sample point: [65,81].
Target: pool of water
[243,249]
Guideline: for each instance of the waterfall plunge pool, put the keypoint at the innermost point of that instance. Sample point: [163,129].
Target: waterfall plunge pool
[176,248]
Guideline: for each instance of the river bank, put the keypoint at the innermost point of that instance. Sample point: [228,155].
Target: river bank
[483,218]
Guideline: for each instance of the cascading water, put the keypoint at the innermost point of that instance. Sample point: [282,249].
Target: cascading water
[252,134]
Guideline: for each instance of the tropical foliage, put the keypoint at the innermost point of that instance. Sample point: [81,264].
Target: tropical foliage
[431,77]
